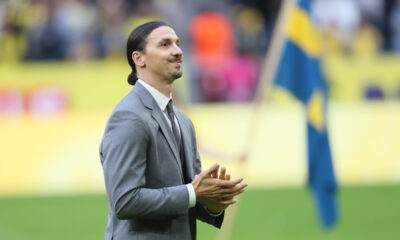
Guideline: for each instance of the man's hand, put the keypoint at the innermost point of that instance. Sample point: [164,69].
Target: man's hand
[217,192]
[218,207]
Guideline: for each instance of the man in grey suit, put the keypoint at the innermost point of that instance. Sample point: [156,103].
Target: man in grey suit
[154,183]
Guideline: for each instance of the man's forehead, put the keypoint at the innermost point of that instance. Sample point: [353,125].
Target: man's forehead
[163,32]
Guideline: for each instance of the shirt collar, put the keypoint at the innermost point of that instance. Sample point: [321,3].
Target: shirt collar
[161,100]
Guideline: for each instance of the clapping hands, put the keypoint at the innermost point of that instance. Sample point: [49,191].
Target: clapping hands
[217,191]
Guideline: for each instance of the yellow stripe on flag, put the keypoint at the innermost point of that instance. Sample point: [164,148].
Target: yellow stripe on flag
[301,31]
[315,111]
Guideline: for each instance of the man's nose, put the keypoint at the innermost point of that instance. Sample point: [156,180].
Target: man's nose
[177,51]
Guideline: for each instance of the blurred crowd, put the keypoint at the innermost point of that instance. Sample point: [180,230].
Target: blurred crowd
[359,26]
[217,36]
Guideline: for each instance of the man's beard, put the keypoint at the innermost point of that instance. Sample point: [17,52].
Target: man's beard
[178,73]
[174,75]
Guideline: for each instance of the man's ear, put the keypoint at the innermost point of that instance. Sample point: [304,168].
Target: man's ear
[139,59]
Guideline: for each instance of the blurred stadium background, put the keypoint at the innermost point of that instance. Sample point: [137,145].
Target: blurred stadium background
[63,69]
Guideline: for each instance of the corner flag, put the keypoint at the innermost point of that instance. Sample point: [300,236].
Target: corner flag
[300,72]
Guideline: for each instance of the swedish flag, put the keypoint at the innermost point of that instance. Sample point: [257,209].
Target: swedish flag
[300,72]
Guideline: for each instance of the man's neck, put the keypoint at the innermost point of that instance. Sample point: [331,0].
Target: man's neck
[161,86]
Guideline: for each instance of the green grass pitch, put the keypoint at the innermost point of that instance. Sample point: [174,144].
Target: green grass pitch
[366,213]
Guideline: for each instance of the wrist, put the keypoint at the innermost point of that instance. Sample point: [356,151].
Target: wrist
[213,212]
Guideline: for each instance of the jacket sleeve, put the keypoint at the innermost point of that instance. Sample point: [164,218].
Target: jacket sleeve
[123,155]
[201,212]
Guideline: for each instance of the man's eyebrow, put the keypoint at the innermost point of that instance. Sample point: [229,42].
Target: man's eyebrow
[169,40]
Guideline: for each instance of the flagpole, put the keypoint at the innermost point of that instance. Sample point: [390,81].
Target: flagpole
[268,72]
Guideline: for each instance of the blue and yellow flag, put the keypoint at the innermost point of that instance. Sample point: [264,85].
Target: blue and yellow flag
[300,73]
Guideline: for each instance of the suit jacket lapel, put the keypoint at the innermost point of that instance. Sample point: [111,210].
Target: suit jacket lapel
[185,130]
[158,116]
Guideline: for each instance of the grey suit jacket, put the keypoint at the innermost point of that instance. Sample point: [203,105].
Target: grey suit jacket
[147,196]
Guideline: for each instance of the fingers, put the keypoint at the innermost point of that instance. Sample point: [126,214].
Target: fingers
[213,186]
[234,189]
[222,173]
[228,177]
[227,201]
[228,192]
[218,185]
[237,180]
[231,192]
[230,183]
[213,170]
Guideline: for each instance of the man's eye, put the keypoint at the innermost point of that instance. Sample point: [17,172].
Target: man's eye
[164,44]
